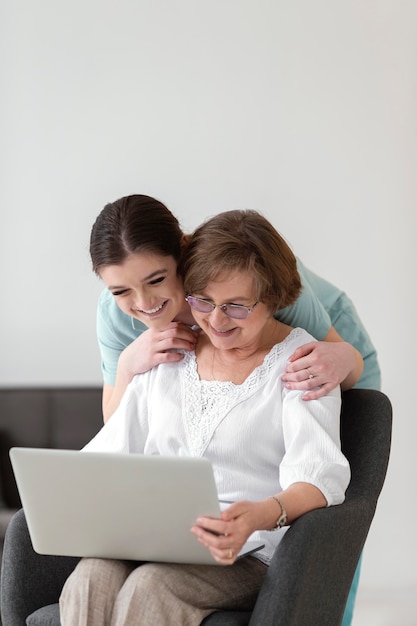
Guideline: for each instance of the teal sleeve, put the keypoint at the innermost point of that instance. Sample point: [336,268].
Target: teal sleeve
[322,305]
[115,331]
[307,312]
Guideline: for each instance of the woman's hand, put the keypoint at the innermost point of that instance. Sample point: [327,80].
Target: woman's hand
[225,537]
[319,366]
[154,347]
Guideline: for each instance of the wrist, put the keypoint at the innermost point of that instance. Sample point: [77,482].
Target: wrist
[282,518]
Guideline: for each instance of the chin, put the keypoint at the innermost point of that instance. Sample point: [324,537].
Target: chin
[156,323]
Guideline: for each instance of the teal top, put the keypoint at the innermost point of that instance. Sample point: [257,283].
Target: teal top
[319,306]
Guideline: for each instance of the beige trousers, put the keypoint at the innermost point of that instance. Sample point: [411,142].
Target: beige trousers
[105,592]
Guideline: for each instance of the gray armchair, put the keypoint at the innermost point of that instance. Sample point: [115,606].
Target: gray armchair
[309,578]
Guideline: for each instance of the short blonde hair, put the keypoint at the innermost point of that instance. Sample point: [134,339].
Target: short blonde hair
[242,240]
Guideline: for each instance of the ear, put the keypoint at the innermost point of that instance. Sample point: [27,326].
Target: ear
[184,240]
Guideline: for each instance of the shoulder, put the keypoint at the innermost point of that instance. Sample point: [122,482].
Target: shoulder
[308,311]
[280,352]
[106,305]
[297,337]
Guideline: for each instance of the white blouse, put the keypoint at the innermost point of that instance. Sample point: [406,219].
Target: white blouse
[259,436]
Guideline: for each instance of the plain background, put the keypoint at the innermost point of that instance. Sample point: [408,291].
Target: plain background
[305,111]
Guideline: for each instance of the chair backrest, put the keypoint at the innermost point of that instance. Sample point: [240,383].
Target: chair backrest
[366,427]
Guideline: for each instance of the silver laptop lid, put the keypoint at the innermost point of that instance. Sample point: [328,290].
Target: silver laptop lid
[114,505]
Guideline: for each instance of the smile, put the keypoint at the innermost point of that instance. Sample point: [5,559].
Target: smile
[218,332]
[155,310]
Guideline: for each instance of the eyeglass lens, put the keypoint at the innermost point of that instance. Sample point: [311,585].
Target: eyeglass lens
[236,311]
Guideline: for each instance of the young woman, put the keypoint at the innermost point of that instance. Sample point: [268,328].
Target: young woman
[136,246]
[275,456]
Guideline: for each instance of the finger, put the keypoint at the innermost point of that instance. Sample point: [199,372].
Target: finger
[297,376]
[234,511]
[183,331]
[168,357]
[302,364]
[304,381]
[216,544]
[319,392]
[172,339]
[227,555]
[224,548]
[210,538]
[217,526]
[302,351]
[174,345]
[224,557]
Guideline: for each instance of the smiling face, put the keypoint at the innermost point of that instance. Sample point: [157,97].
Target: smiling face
[227,333]
[147,287]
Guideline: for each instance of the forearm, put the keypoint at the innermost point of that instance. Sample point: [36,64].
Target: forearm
[111,398]
[298,499]
[356,369]
[112,395]
[349,357]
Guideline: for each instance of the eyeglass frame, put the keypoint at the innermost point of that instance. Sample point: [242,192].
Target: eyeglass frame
[223,307]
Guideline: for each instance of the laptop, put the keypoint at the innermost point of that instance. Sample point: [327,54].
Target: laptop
[111,505]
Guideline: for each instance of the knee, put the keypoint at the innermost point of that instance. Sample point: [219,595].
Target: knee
[83,574]
[89,593]
[144,580]
[93,576]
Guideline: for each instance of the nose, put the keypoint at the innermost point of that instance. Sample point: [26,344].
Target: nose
[218,316]
[141,301]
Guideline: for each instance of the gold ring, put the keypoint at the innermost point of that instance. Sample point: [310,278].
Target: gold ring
[230,553]
[310,375]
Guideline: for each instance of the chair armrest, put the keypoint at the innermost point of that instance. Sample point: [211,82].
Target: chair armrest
[29,580]
[310,574]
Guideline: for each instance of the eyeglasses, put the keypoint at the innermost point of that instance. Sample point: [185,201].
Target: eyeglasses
[236,311]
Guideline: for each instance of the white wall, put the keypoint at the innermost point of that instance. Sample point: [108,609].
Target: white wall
[303,110]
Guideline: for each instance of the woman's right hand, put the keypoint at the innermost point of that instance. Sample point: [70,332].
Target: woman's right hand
[151,348]
[154,347]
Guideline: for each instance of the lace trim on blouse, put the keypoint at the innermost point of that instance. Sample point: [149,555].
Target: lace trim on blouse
[207,402]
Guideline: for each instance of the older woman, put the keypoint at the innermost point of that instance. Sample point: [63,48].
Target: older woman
[274,456]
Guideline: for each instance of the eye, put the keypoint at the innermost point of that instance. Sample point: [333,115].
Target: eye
[237,306]
[158,280]
[121,292]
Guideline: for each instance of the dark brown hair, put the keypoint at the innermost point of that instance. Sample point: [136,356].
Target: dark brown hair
[242,241]
[131,225]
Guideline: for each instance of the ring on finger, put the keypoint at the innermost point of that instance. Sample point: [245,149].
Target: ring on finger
[230,554]
[310,375]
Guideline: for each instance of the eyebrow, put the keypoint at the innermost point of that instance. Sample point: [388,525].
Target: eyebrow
[144,279]
[230,300]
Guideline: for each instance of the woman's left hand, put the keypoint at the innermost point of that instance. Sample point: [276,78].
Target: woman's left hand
[318,367]
[225,537]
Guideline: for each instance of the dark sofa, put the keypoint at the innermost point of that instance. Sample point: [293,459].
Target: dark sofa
[65,417]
